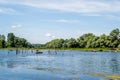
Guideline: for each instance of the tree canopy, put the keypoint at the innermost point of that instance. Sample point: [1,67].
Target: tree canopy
[88,40]
[13,41]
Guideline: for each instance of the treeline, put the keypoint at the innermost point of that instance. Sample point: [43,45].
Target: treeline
[88,40]
[41,46]
[13,41]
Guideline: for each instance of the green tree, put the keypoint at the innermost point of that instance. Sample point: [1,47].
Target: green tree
[118,47]
[114,38]
[115,34]
[72,43]
[10,40]
[56,43]
[85,40]
[2,41]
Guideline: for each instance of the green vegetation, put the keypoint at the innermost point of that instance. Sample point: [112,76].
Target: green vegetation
[13,42]
[39,46]
[87,41]
[2,41]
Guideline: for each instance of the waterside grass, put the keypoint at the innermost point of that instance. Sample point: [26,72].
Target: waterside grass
[80,49]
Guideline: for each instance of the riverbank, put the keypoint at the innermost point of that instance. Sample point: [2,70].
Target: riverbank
[93,49]
[14,48]
[81,49]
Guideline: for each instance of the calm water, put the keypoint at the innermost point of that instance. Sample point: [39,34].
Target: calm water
[65,65]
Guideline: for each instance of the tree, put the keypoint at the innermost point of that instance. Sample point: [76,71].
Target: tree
[85,40]
[72,43]
[118,47]
[114,38]
[10,40]
[2,41]
[13,41]
[115,34]
[101,41]
[38,45]
[56,43]
[88,40]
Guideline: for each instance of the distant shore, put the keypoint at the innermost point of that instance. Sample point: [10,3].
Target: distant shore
[81,49]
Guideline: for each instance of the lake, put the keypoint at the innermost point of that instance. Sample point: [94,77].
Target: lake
[59,65]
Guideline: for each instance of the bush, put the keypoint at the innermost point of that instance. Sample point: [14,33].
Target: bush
[119,46]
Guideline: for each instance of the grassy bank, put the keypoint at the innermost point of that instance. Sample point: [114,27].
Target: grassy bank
[81,49]
[14,48]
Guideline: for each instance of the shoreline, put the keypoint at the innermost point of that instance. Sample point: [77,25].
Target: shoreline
[80,49]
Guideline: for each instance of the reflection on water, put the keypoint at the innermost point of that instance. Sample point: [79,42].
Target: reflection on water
[49,69]
[74,79]
[65,65]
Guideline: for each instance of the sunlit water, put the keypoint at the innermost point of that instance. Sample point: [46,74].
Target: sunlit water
[65,65]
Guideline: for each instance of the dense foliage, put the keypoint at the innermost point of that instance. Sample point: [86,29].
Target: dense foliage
[88,40]
[12,42]
[2,41]
[38,46]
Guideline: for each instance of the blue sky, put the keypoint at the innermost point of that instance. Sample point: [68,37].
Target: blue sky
[40,21]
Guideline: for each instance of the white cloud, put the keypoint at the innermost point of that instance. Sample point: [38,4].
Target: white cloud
[48,35]
[53,37]
[66,21]
[6,10]
[10,11]
[87,7]
[93,14]
[16,26]
[81,6]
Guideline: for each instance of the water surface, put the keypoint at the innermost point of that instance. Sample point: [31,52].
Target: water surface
[65,65]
